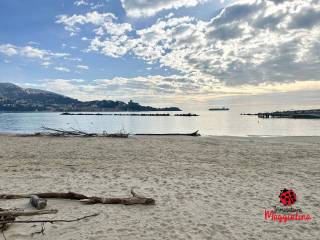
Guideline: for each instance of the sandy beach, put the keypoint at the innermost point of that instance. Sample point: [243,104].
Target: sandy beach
[205,188]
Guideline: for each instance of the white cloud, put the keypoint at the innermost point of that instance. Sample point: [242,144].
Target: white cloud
[62,69]
[33,43]
[81,3]
[75,59]
[44,57]
[120,88]
[171,89]
[92,5]
[83,67]
[46,64]
[114,34]
[72,23]
[30,52]
[104,21]
[249,43]
[112,47]
[8,49]
[96,6]
[146,8]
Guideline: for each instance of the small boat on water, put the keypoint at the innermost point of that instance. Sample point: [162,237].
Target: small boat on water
[219,109]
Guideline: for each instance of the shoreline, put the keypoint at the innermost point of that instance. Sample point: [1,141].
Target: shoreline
[164,136]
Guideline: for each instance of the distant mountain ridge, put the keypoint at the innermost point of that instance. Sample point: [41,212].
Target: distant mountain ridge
[16,99]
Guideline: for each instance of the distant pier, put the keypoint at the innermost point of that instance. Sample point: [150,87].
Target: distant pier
[131,114]
[296,114]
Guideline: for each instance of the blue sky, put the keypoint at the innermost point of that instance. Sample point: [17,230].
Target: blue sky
[161,51]
[34,24]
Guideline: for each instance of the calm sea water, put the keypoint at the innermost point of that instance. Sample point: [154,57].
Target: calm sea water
[229,123]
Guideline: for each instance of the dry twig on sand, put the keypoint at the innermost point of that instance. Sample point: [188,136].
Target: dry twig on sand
[50,220]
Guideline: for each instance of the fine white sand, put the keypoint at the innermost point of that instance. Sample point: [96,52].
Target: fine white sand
[205,188]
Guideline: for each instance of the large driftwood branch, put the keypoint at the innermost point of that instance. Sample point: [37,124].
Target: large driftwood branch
[135,199]
[14,196]
[194,134]
[68,195]
[49,220]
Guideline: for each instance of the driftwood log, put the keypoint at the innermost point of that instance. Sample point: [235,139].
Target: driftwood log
[194,134]
[68,195]
[134,199]
[38,203]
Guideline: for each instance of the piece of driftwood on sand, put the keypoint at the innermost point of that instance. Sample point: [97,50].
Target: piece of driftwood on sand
[8,216]
[194,134]
[50,220]
[134,199]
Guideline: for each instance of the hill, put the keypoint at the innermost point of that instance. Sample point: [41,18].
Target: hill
[16,99]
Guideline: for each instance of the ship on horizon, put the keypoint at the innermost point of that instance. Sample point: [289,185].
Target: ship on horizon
[219,109]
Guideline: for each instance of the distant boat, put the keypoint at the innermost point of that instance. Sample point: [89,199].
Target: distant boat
[219,109]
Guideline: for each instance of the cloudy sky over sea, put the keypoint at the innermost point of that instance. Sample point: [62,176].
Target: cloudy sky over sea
[163,51]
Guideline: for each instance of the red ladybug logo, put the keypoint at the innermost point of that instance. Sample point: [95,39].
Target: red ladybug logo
[287,197]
